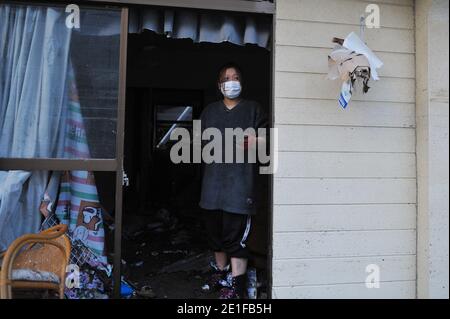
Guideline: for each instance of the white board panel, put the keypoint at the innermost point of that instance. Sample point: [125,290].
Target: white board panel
[358,113]
[387,290]
[343,243]
[409,3]
[349,165]
[321,271]
[290,218]
[316,86]
[345,139]
[343,11]
[312,34]
[344,191]
[315,60]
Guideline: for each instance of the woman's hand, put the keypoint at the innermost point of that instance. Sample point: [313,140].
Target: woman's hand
[250,141]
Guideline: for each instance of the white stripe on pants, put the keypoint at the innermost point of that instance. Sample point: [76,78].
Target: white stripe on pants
[247,230]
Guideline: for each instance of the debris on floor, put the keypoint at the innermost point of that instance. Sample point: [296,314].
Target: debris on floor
[146,292]
[126,290]
[173,259]
[138,264]
[93,276]
[93,284]
[199,262]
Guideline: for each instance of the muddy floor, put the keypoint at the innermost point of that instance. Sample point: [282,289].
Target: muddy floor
[170,255]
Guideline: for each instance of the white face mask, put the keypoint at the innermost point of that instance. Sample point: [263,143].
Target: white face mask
[231,89]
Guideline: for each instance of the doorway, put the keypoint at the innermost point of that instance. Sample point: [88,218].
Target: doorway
[163,240]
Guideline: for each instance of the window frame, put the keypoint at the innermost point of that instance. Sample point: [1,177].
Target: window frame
[92,164]
[116,164]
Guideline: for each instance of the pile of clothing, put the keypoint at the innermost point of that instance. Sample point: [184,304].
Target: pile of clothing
[89,275]
[93,284]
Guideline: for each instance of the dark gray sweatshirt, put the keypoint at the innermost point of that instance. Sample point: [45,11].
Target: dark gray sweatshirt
[231,186]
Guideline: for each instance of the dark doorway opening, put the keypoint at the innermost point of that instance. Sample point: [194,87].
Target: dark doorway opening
[163,240]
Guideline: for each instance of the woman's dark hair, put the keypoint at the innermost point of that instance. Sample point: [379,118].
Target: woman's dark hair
[229,65]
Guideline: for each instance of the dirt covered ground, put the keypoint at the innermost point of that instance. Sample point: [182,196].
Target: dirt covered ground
[169,254]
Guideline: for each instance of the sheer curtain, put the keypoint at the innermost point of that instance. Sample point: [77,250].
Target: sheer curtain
[34,50]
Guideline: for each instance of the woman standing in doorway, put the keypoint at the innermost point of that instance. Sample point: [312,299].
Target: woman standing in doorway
[228,188]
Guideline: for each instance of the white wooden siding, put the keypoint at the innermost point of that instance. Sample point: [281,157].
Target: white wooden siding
[345,165]
[328,138]
[315,86]
[345,190]
[337,12]
[387,290]
[308,218]
[316,34]
[361,113]
[344,244]
[392,268]
[304,59]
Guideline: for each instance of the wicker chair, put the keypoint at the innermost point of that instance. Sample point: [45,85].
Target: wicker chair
[46,254]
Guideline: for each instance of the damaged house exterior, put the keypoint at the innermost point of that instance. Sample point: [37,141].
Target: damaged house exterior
[358,204]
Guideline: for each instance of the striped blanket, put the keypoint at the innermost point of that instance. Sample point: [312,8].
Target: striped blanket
[78,203]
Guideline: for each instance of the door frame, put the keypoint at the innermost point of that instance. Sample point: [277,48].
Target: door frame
[228,5]
[101,164]
[120,152]
[217,5]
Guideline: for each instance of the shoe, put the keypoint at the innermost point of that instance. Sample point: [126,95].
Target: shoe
[237,289]
[216,279]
